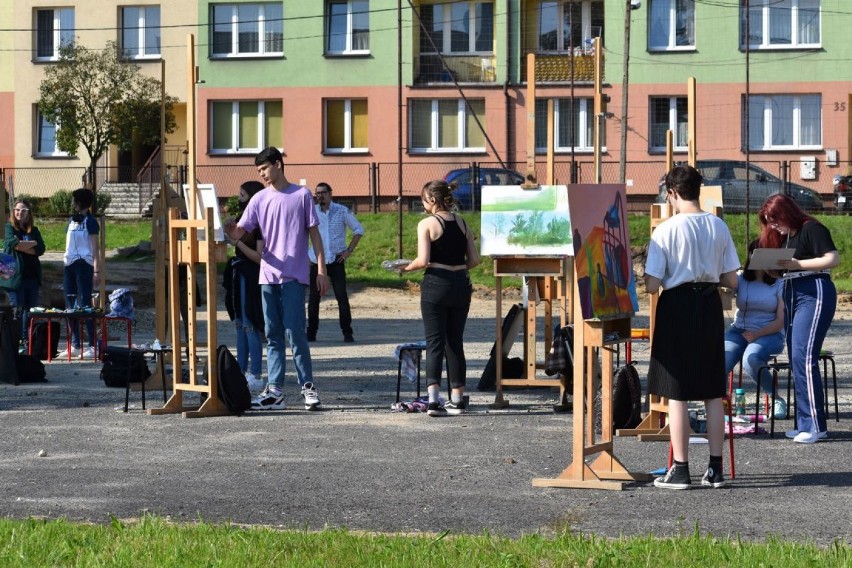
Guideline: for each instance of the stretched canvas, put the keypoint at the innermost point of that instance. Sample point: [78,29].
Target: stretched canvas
[518,221]
[206,199]
[602,259]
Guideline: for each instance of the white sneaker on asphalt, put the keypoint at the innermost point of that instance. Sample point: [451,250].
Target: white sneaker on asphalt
[89,352]
[311,396]
[810,437]
[269,400]
[75,352]
[792,434]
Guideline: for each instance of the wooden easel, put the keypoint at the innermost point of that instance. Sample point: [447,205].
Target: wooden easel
[546,276]
[605,471]
[193,252]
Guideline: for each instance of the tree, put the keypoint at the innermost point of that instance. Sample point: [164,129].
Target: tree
[98,99]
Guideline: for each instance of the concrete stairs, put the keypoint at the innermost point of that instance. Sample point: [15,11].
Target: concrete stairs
[128,200]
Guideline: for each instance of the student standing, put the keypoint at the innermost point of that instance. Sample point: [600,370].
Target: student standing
[82,266]
[334,220]
[284,212]
[689,255]
[24,237]
[446,249]
[810,300]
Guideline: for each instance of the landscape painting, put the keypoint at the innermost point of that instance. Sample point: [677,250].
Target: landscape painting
[517,221]
[602,258]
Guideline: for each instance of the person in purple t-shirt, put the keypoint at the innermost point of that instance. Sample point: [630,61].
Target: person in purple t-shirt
[285,214]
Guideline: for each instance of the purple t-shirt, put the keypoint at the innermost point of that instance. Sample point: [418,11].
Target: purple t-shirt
[284,218]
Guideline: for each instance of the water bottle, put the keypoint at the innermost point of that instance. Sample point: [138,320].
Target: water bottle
[739,402]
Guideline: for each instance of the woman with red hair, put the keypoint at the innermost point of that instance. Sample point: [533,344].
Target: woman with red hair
[809,300]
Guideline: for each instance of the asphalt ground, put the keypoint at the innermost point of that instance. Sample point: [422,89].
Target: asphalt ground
[68,451]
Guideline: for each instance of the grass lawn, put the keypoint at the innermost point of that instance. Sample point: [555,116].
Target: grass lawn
[155,542]
[381,242]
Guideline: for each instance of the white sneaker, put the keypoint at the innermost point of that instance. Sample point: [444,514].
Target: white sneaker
[810,437]
[89,352]
[75,352]
[311,396]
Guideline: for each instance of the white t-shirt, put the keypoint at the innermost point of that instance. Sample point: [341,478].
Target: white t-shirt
[691,247]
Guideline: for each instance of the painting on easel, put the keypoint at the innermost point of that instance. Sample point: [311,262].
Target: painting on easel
[602,259]
[526,221]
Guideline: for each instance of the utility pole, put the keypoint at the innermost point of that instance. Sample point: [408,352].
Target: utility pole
[625,83]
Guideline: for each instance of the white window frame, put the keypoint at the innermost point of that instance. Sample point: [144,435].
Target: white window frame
[585,126]
[671,125]
[353,9]
[58,31]
[673,16]
[434,126]
[143,25]
[447,22]
[763,10]
[348,148]
[235,148]
[234,23]
[761,116]
[563,44]
[38,152]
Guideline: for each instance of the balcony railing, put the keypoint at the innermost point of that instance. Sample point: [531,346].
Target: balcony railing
[556,68]
[462,68]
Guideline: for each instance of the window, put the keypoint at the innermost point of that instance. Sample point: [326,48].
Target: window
[776,24]
[583,137]
[671,25]
[563,25]
[348,27]
[245,126]
[783,122]
[140,31]
[668,113]
[458,27]
[240,30]
[444,125]
[54,28]
[45,137]
[346,125]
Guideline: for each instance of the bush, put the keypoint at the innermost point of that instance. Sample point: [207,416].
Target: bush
[102,201]
[58,204]
[232,206]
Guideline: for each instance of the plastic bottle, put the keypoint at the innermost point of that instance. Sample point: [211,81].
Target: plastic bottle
[739,402]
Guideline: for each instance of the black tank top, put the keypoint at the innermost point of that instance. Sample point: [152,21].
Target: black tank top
[451,247]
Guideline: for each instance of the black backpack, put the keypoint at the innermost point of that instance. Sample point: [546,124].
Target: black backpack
[233,387]
[121,364]
[39,343]
[626,398]
[30,369]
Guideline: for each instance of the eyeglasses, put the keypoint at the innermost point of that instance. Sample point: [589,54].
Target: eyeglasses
[21,210]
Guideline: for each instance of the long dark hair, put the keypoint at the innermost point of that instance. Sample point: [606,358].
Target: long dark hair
[783,210]
[251,188]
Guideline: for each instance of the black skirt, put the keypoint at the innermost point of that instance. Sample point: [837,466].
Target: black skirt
[688,347]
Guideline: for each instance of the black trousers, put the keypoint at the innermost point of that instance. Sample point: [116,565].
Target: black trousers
[337,274]
[444,305]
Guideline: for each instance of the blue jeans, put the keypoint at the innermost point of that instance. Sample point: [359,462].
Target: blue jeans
[809,304]
[25,297]
[77,283]
[284,316]
[249,339]
[754,355]
[444,305]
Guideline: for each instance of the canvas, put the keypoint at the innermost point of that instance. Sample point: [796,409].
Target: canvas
[206,199]
[602,259]
[518,221]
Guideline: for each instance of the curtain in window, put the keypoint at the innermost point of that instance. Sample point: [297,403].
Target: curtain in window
[809,29]
[811,120]
[359,123]
[248,28]
[273,124]
[222,29]
[273,29]
[361,26]
[249,134]
[335,115]
[421,123]
[221,125]
[474,138]
[781,22]
[781,108]
[685,22]
[681,135]
[448,123]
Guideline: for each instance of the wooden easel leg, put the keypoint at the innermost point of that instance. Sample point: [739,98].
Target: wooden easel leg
[578,475]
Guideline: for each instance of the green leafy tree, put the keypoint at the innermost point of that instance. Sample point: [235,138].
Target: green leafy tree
[98,99]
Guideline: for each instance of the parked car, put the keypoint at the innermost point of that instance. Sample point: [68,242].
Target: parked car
[842,193]
[469,191]
[731,175]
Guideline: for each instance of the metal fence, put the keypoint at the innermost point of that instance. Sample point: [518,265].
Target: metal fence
[375,186]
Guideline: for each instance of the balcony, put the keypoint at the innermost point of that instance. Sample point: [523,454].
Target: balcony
[428,69]
[556,68]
